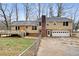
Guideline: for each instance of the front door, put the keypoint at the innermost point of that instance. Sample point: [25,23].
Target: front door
[49,33]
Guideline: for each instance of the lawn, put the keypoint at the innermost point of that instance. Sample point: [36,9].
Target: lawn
[13,46]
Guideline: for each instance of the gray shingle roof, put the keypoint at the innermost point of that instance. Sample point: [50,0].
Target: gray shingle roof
[35,23]
[18,23]
[56,19]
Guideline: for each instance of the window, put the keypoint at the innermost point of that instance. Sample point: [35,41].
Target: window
[39,23]
[34,27]
[17,27]
[26,26]
[65,23]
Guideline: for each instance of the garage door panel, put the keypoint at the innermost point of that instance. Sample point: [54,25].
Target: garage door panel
[60,33]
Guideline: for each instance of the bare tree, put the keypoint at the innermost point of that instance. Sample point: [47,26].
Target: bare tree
[16,11]
[50,10]
[75,25]
[4,15]
[39,10]
[62,9]
[10,16]
[27,10]
[59,9]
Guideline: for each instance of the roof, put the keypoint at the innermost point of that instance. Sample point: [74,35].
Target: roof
[35,23]
[56,19]
[18,23]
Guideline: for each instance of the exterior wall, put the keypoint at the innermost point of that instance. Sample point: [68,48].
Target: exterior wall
[58,26]
[13,28]
[29,30]
[23,29]
[39,27]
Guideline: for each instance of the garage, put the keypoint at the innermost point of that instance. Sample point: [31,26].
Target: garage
[57,33]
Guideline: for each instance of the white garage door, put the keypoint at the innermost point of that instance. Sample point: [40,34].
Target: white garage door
[60,33]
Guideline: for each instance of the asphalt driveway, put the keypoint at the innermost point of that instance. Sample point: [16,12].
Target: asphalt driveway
[59,47]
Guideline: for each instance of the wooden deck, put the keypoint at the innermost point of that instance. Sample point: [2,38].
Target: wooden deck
[10,32]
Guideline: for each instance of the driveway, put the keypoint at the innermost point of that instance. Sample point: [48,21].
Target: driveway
[59,47]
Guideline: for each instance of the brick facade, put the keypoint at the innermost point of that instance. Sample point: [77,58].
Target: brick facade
[43,30]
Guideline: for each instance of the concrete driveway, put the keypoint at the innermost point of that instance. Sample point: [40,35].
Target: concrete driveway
[59,47]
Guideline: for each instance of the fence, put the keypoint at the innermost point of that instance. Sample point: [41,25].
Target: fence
[33,49]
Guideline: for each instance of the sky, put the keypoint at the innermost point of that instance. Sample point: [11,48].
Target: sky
[69,9]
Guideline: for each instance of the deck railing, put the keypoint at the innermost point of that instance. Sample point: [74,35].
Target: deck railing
[9,32]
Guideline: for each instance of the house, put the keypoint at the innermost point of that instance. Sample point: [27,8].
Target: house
[46,26]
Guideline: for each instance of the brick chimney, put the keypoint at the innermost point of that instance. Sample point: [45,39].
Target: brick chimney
[43,30]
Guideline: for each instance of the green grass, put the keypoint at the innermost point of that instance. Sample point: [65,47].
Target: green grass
[14,46]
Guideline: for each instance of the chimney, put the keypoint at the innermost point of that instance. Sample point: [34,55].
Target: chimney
[43,30]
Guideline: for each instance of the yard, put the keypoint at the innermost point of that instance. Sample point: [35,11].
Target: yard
[13,45]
